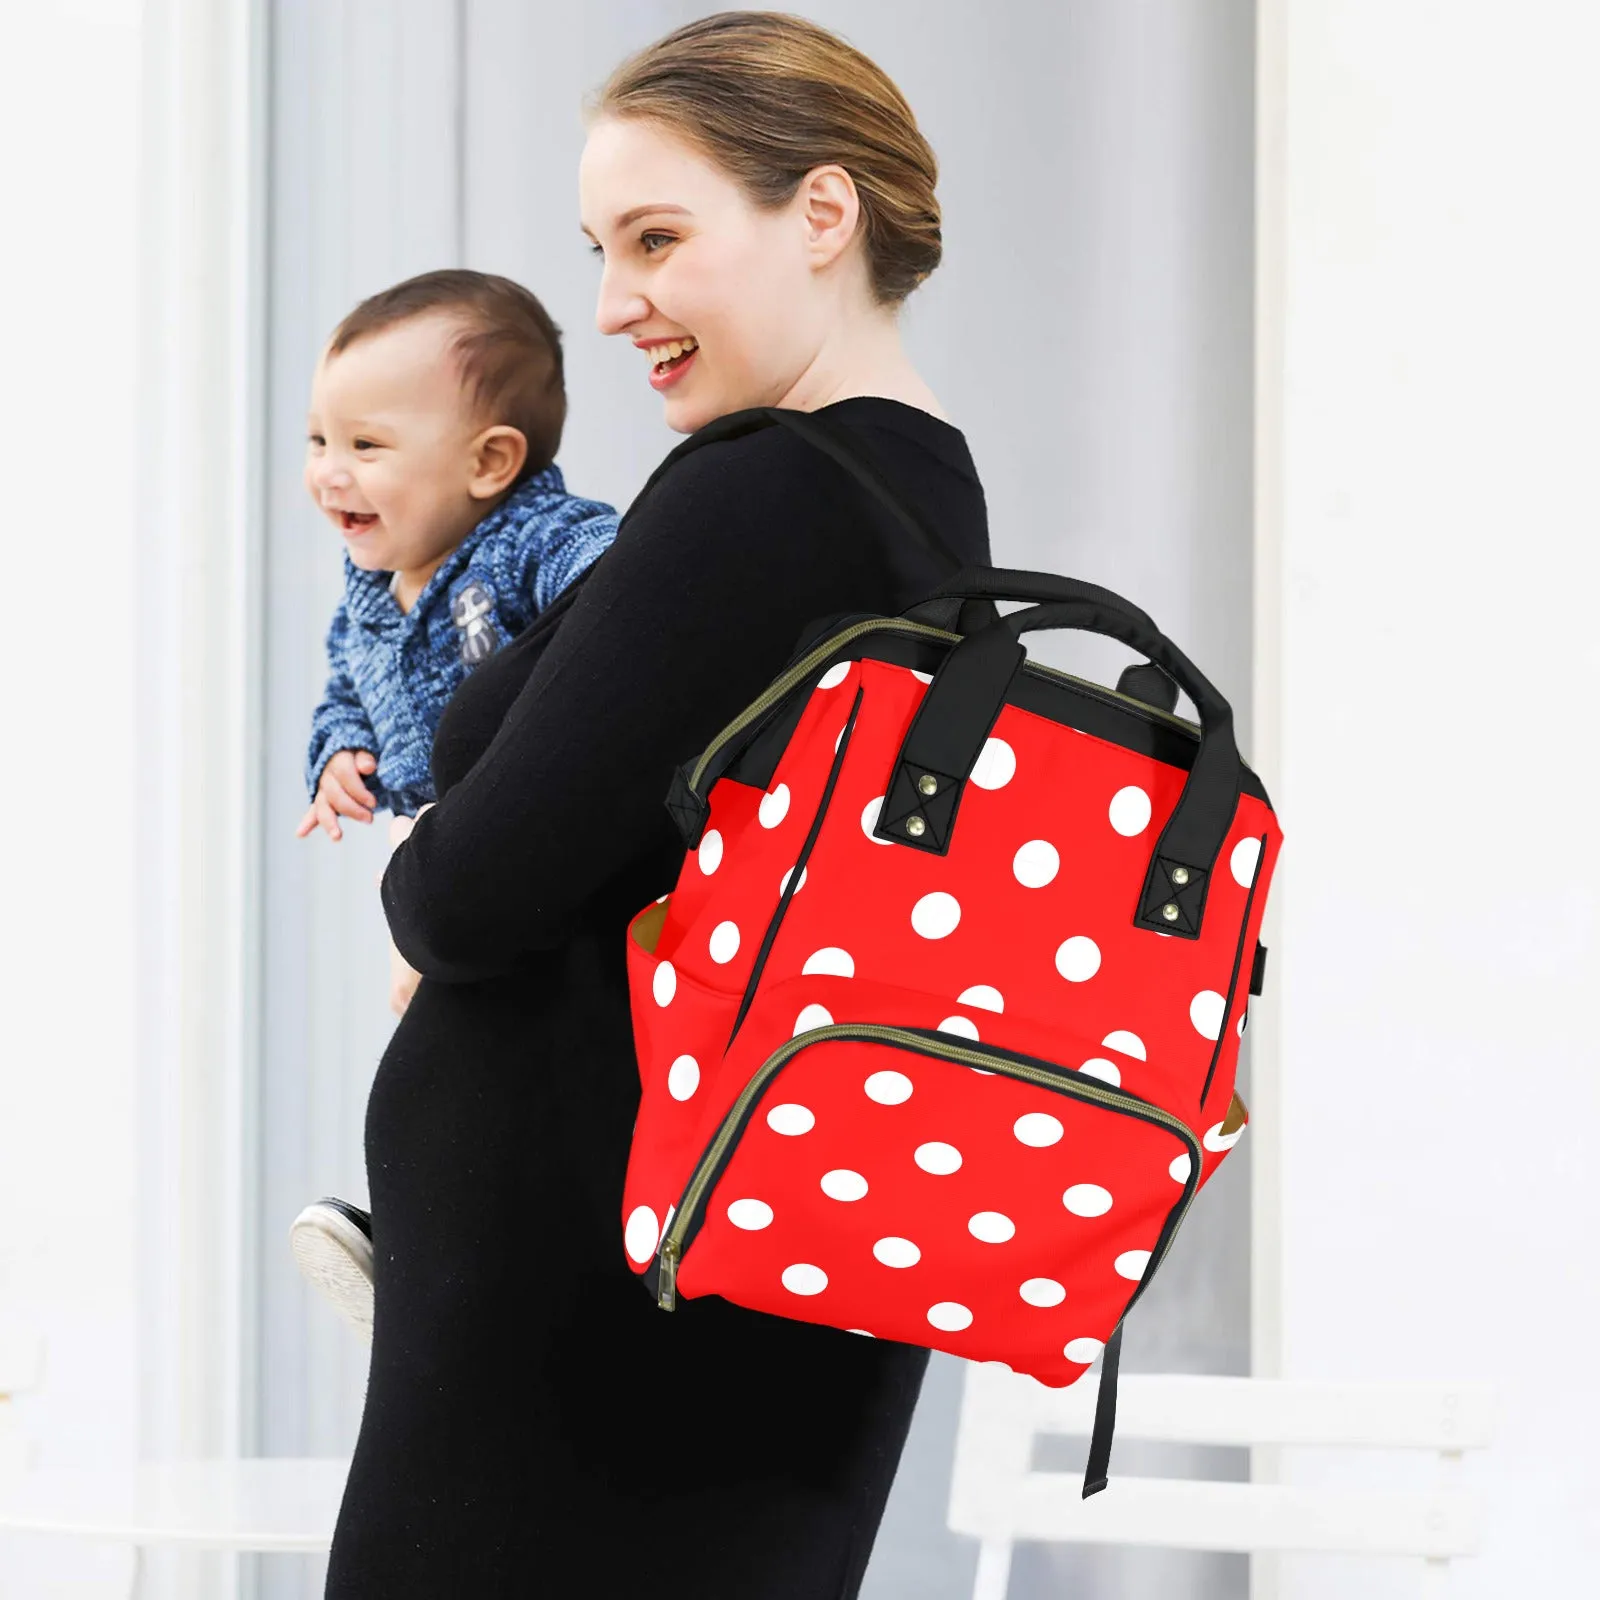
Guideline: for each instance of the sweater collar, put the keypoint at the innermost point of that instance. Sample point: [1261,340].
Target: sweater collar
[366,593]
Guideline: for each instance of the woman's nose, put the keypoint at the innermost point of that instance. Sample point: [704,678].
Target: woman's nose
[618,307]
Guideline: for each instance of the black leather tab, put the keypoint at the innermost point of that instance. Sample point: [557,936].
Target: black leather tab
[1174,898]
[1097,1471]
[690,811]
[906,801]
[1258,969]
[945,739]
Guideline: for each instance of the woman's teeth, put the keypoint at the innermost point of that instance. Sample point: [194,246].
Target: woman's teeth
[661,354]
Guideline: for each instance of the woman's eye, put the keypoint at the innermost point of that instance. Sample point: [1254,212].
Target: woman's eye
[654,241]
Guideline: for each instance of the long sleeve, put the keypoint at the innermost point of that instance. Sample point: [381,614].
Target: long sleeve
[695,608]
[339,722]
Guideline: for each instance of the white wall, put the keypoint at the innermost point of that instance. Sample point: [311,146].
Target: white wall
[67,1056]
[1436,769]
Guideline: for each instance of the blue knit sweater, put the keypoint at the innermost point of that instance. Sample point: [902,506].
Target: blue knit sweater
[392,671]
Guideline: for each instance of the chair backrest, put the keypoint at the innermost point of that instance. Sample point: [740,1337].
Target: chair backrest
[995,1494]
[21,1369]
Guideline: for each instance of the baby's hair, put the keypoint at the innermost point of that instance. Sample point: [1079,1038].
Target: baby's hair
[508,349]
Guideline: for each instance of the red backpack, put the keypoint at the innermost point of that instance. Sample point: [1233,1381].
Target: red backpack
[937,1031]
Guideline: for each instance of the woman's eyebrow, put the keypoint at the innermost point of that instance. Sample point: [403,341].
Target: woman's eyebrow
[629,217]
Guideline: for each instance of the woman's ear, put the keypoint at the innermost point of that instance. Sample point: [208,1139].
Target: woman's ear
[831,211]
[498,454]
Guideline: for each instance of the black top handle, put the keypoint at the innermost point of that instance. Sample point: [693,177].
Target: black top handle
[942,607]
[946,738]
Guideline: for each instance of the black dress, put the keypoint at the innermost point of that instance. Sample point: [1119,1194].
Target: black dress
[534,1425]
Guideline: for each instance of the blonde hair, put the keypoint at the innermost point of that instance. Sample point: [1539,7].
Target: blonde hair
[768,97]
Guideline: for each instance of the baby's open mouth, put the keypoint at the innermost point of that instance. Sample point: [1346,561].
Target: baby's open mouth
[664,357]
[355,521]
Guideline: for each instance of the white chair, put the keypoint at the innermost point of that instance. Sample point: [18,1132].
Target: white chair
[998,1499]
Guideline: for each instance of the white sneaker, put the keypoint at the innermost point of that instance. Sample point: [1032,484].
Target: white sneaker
[332,1245]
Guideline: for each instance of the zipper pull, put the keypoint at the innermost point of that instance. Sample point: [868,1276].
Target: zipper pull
[667,1277]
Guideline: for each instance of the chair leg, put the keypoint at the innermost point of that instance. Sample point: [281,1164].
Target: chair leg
[994,1570]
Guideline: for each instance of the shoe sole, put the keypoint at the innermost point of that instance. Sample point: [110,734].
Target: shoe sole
[336,1256]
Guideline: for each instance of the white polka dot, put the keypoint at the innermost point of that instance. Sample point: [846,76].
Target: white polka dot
[835,675]
[938,1158]
[996,766]
[661,899]
[641,1233]
[1087,1200]
[838,739]
[774,807]
[1243,862]
[724,942]
[936,915]
[963,1027]
[683,1078]
[1179,1170]
[710,853]
[803,1278]
[1038,1129]
[1043,1292]
[832,961]
[1216,1139]
[665,983]
[783,883]
[1036,864]
[666,1221]
[791,1119]
[993,1227]
[980,1071]
[843,1184]
[897,1252]
[862,1331]
[1244,1017]
[983,997]
[949,1316]
[1084,1350]
[751,1215]
[889,1088]
[1131,1264]
[1105,1071]
[1078,959]
[814,1016]
[869,820]
[1130,811]
[1130,1044]
[1208,1011]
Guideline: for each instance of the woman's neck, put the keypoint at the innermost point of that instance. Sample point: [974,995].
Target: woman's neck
[863,356]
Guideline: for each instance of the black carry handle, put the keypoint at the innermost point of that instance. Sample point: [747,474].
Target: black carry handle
[1009,583]
[947,736]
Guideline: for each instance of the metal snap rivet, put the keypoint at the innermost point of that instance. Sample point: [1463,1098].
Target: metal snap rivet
[916,827]
[1170,912]
[1180,876]
[927,784]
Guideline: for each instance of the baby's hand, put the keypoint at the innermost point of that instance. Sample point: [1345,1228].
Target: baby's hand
[341,793]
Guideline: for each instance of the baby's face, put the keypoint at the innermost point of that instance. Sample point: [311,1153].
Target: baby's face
[389,447]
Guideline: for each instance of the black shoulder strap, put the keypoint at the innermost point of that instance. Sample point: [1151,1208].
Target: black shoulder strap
[821,436]
[1105,1418]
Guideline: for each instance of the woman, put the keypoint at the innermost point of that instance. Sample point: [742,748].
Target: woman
[762,203]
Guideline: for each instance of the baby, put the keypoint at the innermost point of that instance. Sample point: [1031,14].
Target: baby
[436,411]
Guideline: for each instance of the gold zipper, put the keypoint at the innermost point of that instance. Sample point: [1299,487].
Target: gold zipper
[1075,1087]
[797,674]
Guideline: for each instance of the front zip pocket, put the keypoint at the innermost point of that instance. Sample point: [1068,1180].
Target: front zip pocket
[905,1183]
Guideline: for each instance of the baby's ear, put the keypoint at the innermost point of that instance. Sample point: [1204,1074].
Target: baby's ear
[498,456]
